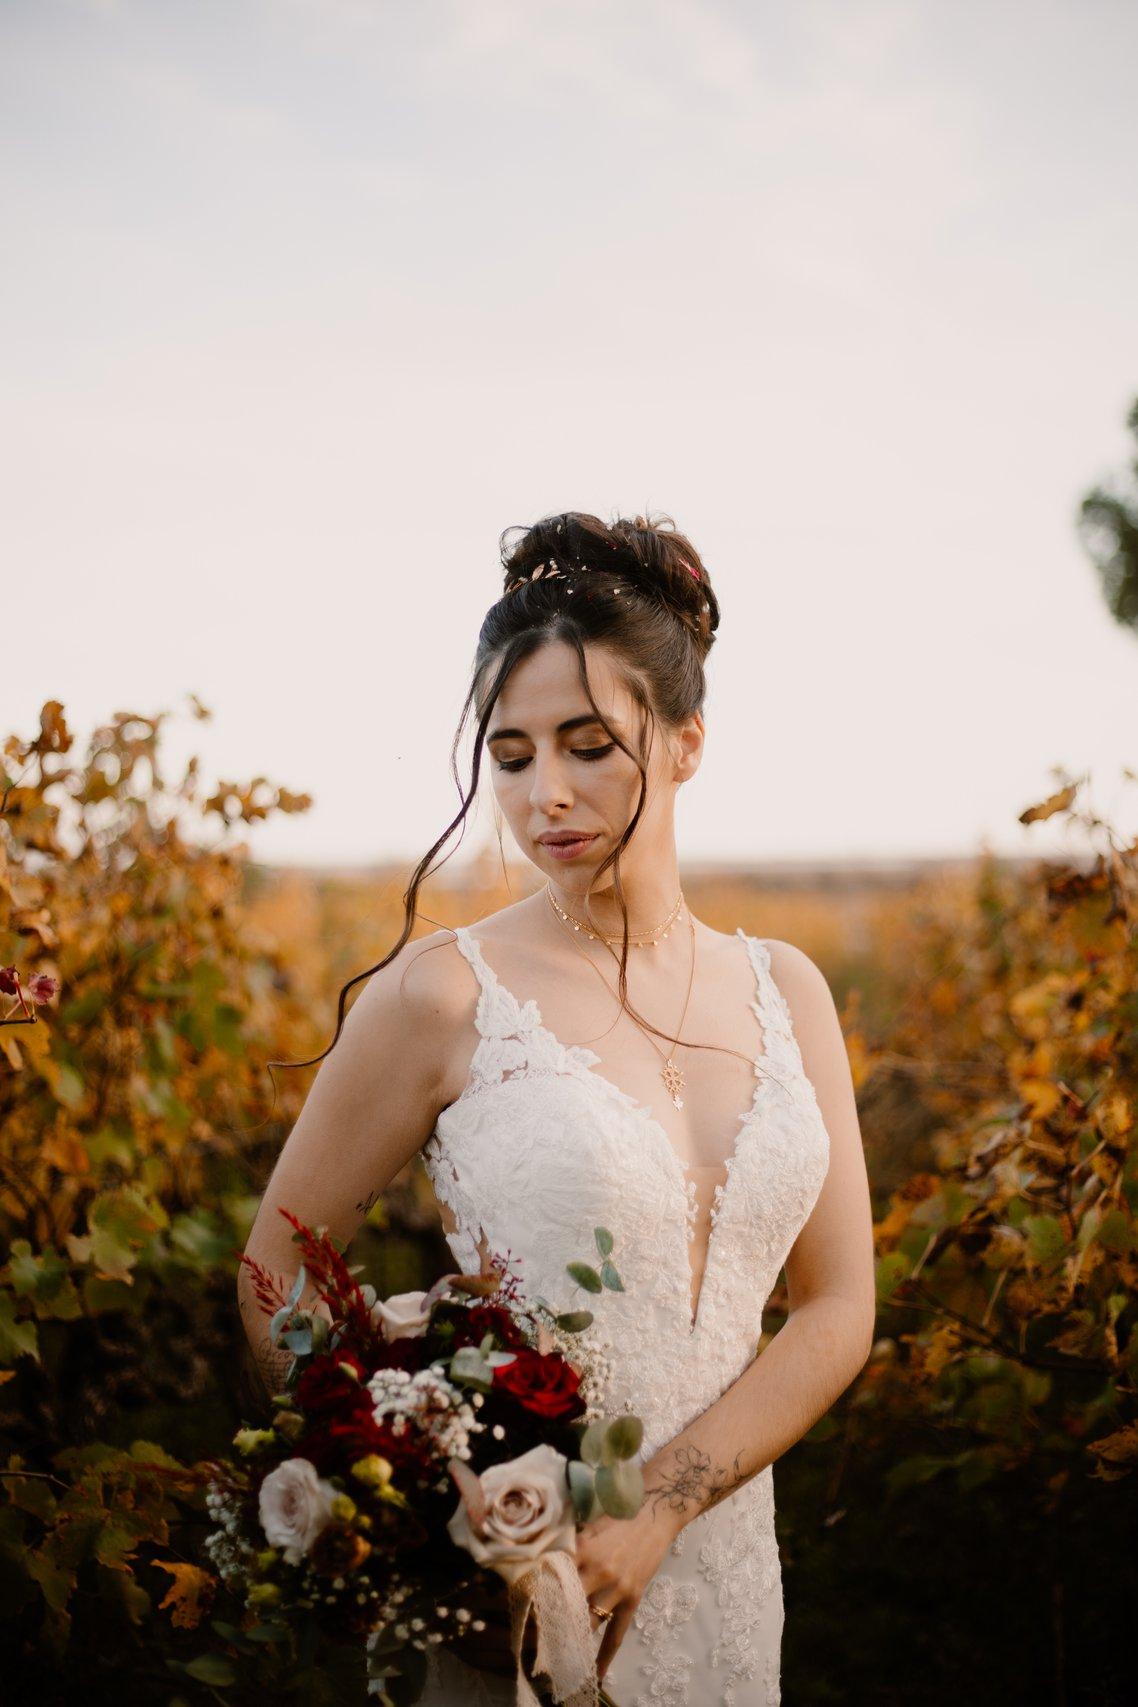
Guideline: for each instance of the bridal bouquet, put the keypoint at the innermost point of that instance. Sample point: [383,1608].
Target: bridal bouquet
[431,1458]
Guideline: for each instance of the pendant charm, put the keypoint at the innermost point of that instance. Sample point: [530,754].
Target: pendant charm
[673,1082]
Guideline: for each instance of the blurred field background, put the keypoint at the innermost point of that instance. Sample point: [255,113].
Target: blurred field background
[961,1523]
[306,300]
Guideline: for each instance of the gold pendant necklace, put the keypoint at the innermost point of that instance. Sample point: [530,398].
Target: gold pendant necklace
[672,1075]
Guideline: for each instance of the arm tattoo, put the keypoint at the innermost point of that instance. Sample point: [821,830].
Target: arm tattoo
[369,1202]
[693,1482]
[270,1362]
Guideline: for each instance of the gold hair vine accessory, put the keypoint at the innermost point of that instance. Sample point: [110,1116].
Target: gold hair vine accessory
[550,570]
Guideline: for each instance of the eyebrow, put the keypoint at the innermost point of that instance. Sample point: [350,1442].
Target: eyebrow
[562,729]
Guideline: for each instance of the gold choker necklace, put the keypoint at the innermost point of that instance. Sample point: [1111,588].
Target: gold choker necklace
[650,939]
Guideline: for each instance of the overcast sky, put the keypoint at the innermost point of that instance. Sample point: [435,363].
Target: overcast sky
[303,301]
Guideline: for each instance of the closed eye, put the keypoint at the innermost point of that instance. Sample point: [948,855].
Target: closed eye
[590,754]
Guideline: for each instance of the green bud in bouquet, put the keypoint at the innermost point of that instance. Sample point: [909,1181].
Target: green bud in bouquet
[373,1471]
[267,1558]
[344,1507]
[249,1440]
[264,1594]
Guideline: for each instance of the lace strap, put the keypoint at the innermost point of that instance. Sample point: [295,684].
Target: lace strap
[499,1013]
[779,1045]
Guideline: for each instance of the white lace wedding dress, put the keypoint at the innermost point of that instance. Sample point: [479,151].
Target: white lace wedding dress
[537,1151]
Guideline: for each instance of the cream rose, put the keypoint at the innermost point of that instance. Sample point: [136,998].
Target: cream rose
[513,1513]
[403,1316]
[295,1505]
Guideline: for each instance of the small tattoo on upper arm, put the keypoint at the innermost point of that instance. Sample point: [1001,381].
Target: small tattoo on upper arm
[369,1202]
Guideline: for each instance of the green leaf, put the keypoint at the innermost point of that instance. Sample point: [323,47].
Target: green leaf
[69,1086]
[574,1321]
[469,1366]
[620,1488]
[17,1339]
[1116,1232]
[45,1278]
[611,1278]
[585,1276]
[582,1488]
[604,1240]
[892,1269]
[592,1442]
[1046,1239]
[624,1436]
[120,1224]
[211,1668]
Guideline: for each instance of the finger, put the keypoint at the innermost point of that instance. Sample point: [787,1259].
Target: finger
[614,1636]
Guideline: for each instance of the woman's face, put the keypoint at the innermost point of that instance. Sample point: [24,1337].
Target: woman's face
[548,777]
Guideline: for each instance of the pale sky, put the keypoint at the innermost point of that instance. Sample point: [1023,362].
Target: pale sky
[303,301]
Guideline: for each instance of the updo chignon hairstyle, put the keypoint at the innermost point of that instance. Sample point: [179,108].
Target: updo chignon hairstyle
[636,587]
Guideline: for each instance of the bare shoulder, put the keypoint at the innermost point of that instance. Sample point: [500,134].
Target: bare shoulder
[428,977]
[810,1000]
[797,976]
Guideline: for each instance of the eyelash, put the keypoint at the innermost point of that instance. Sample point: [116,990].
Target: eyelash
[589,754]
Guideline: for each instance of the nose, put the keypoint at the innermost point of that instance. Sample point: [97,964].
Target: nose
[550,789]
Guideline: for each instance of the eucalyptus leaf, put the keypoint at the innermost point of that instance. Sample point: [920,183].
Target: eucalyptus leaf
[592,1442]
[604,1240]
[624,1436]
[574,1321]
[584,1276]
[468,1364]
[278,1321]
[299,1341]
[611,1278]
[620,1488]
[297,1286]
[582,1489]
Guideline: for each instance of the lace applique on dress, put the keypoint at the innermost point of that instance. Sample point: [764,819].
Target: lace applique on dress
[664,1606]
[538,1151]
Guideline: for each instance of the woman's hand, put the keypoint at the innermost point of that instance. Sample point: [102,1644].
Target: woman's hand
[617,1557]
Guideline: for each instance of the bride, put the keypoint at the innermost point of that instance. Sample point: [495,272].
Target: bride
[595,1055]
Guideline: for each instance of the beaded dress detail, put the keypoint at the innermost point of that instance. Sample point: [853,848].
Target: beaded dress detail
[537,1151]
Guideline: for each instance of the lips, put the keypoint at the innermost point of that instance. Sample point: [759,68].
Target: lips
[562,836]
[568,849]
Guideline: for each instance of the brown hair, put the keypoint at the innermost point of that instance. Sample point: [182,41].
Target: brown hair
[636,587]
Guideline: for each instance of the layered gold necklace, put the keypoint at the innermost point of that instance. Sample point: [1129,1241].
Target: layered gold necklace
[648,939]
[671,1074]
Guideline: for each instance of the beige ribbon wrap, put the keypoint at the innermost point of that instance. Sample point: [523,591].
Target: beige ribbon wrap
[552,1594]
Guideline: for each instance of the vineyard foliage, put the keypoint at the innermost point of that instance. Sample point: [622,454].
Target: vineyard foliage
[992,1026]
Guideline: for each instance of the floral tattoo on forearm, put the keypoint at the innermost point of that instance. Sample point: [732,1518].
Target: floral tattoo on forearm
[691,1481]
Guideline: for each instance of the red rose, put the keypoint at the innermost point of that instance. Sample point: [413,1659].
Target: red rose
[481,1319]
[543,1382]
[326,1384]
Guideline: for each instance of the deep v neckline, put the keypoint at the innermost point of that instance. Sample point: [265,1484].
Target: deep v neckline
[582,1062]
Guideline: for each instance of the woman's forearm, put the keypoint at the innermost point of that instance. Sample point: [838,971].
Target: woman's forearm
[272,1362]
[780,1396]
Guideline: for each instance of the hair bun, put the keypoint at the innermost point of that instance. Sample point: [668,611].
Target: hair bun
[646,552]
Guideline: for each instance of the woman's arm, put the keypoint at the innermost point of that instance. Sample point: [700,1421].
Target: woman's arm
[372,1105]
[828,1333]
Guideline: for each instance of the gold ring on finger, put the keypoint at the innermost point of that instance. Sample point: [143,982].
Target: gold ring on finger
[601,1611]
